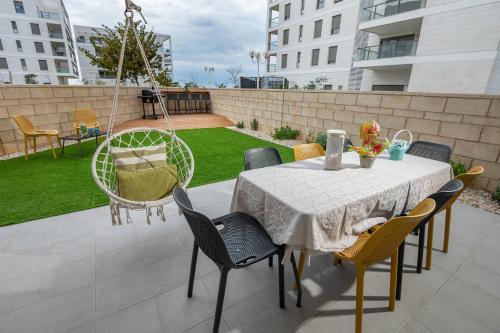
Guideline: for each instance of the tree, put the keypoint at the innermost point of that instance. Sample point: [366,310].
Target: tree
[108,44]
[164,79]
[30,79]
[221,85]
[234,73]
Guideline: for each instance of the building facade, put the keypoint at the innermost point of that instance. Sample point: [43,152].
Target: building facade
[91,74]
[400,45]
[36,41]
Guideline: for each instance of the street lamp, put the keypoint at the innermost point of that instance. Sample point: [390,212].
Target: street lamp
[209,70]
[256,56]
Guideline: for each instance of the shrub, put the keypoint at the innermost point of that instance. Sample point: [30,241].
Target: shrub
[321,139]
[458,167]
[285,133]
[254,124]
[310,138]
[496,195]
[240,124]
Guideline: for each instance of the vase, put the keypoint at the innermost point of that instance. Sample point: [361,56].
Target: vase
[367,162]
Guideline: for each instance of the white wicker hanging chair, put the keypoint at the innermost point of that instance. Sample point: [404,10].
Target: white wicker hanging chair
[177,152]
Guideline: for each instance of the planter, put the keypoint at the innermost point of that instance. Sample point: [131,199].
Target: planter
[366,162]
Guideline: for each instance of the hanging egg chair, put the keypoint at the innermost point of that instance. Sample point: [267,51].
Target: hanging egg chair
[140,146]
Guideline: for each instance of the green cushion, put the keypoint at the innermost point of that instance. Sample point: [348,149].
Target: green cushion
[132,159]
[148,184]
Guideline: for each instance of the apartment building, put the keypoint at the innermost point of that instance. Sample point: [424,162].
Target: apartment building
[411,45]
[91,74]
[35,38]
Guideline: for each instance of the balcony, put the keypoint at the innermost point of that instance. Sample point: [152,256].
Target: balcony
[48,15]
[272,45]
[62,66]
[58,49]
[271,67]
[274,22]
[391,7]
[401,48]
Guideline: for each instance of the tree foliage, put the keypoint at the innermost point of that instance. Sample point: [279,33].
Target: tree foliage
[233,74]
[30,79]
[108,44]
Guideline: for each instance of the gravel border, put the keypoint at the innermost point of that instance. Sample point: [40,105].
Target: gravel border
[265,136]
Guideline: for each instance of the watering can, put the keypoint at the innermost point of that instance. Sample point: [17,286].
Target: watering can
[398,147]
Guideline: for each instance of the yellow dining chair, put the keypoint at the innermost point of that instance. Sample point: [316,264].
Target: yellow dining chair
[29,131]
[382,243]
[307,150]
[467,178]
[86,116]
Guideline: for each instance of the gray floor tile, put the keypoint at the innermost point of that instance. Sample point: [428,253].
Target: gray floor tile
[158,228]
[216,210]
[119,261]
[115,237]
[162,247]
[26,242]
[207,326]
[64,313]
[475,274]
[20,292]
[142,317]
[70,251]
[31,262]
[179,313]
[89,328]
[414,326]
[17,321]
[72,230]
[120,292]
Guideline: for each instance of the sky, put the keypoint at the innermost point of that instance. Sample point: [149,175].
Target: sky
[215,33]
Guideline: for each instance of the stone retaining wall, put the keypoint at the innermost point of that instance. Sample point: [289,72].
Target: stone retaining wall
[470,124]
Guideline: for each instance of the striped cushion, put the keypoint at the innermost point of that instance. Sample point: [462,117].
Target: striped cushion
[132,159]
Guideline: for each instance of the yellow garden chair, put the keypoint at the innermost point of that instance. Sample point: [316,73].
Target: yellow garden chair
[382,243]
[29,130]
[86,116]
[307,150]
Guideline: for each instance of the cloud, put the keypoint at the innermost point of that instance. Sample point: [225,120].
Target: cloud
[216,33]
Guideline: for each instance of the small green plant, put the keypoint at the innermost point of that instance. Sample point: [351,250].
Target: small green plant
[496,195]
[254,124]
[458,167]
[285,133]
[240,124]
[321,139]
[310,137]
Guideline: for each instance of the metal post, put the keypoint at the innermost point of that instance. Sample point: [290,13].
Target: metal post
[258,73]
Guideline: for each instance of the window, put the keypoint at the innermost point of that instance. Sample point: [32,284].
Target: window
[284,60]
[23,64]
[332,55]
[1,45]
[315,57]
[288,7]
[3,63]
[18,5]
[298,59]
[301,31]
[19,46]
[286,34]
[302,6]
[320,4]
[14,26]
[35,28]
[335,1]
[80,39]
[318,26]
[43,65]
[382,87]
[39,47]
[336,24]
[327,87]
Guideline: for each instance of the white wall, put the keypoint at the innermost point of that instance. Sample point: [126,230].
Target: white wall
[385,77]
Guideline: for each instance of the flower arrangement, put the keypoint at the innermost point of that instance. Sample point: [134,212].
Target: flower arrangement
[370,146]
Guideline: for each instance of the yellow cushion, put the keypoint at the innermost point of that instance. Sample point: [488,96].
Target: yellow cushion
[148,184]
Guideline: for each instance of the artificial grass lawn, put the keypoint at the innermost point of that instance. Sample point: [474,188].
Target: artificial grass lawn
[43,187]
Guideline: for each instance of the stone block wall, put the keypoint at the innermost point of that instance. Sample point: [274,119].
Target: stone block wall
[469,124]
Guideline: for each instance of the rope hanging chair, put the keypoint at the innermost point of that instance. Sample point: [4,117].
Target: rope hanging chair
[177,152]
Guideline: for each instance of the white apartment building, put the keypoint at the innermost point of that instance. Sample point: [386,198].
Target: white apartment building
[448,46]
[35,38]
[92,74]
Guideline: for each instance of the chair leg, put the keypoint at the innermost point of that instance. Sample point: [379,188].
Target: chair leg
[302,260]
[421,241]
[336,259]
[360,281]
[34,144]
[59,141]
[25,147]
[394,277]
[401,259]
[447,227]
[220,298]
[192,272]
[270,261]
[297,281]
[281,274]
[430,234]
[51,147]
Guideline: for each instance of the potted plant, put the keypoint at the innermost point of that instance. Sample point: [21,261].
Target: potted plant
[370,147]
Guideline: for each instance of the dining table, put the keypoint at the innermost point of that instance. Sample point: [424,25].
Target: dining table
[309,208]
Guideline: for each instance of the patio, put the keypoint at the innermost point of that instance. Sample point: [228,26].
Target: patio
[77,273]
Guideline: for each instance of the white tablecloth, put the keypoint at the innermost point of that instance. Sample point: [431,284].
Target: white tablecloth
[316,210]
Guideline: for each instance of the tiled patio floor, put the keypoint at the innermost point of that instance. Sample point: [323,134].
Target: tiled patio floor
[179,121]
[77,273]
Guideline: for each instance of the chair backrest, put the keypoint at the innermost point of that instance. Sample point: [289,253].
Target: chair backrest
[347,143]
[466,178]
[86,116]
[433,151]
[444,195]
[261,157]
[307,150]
[24,124]
[387,238]
[204,230]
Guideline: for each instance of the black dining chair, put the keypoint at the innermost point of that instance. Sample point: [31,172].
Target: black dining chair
[207,103]
[441,197]
[232,241]
[347,143]
[431,150]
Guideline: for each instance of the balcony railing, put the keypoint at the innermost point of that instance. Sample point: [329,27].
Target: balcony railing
[273,45]
[391,7]
[271,67]
[48,15]
[59,53]
[62,69]
[57,35]
[401,48]
[274,22]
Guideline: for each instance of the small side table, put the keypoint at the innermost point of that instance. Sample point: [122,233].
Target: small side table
[79,138]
